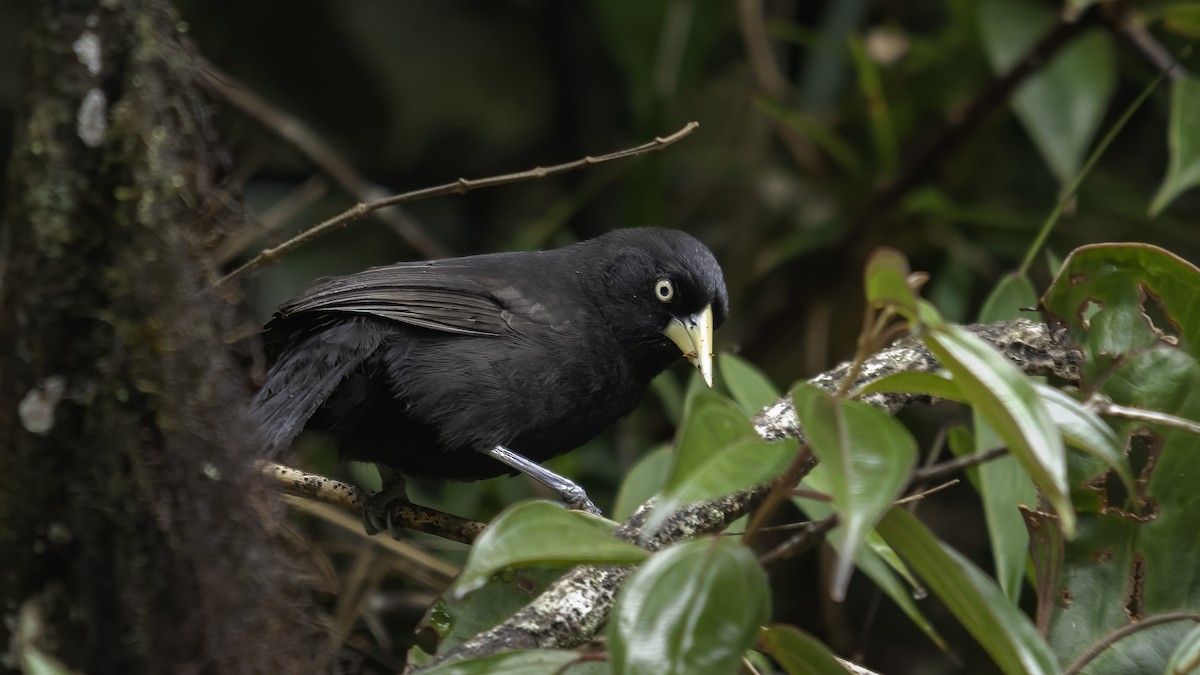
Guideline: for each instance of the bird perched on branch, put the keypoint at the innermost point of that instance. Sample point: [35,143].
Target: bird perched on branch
[450,368]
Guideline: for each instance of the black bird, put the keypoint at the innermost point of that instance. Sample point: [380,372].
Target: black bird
[437,368]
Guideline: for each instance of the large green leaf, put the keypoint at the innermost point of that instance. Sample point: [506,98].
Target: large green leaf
[1061,105]
[1007,400]
[1085,430]
[799,653]
[1003,484]
[1186,659]
[1183,140]
[1122,298]
[999,627]
[752,390]
[643,481]
[867,456]
[886,279]
[542,534]
[876,560]
[735,467]
[710,424]
[1133,309]
[692,608]
[456,620]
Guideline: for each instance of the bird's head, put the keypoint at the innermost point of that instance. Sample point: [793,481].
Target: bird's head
[669,295]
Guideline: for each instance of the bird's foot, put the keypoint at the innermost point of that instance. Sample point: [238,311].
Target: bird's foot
[377,509]
[567,490]
[576,499]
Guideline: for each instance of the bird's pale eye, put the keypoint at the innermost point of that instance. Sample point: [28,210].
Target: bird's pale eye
[664,290]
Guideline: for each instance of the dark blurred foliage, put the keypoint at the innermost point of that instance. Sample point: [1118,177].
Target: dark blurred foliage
[419,93]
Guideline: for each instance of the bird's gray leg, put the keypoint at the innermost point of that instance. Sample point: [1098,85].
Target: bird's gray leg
[571,494]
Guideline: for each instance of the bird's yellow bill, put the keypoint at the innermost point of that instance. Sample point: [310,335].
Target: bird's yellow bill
[694,337]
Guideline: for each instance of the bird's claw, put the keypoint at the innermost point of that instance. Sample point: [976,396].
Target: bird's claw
[577,500]
[377,509]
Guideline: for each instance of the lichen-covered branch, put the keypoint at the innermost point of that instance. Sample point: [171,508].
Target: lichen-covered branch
[572,610]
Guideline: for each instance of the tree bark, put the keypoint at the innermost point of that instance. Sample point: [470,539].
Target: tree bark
[135,531]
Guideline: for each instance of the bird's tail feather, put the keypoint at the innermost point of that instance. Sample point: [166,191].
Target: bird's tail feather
[304,377]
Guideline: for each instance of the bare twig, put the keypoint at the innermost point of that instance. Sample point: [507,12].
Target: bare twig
[943,469]
[320,153]
[1125,23]
[404,514]
[1103,406]
[459,186]
[918,496]
[272,219]
[799,542]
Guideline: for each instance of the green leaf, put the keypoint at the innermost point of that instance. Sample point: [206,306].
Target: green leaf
[1063,103]
[1014,293]
[1183,140]
[710,424]
[868,456]
[886,279]
[876,560]
[1183,18]
[938,385]
[752,390]
[643,481]
[1003,484]
[519,662]
[735,467]
[999,627]
[1084,429]
[542,534]
[1122,298]
[799,653]
[1186,658]
[692,608]
[1004,397]
[457,620]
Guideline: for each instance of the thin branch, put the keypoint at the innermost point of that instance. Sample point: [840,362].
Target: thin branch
[918,496]
[333,163]
[1106,407]
[404,514]
[799,542]
[1112,638]
[1125,23]
[460,186]
[943,469]
[283,210]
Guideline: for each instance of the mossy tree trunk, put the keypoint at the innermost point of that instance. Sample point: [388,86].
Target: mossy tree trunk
[134,531]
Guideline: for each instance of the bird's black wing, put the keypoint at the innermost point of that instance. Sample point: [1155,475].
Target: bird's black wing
[445,297]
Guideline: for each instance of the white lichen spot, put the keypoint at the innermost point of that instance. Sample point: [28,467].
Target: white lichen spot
[36,410]
[58,533]
[211,472]
[92,122]
[87,50]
